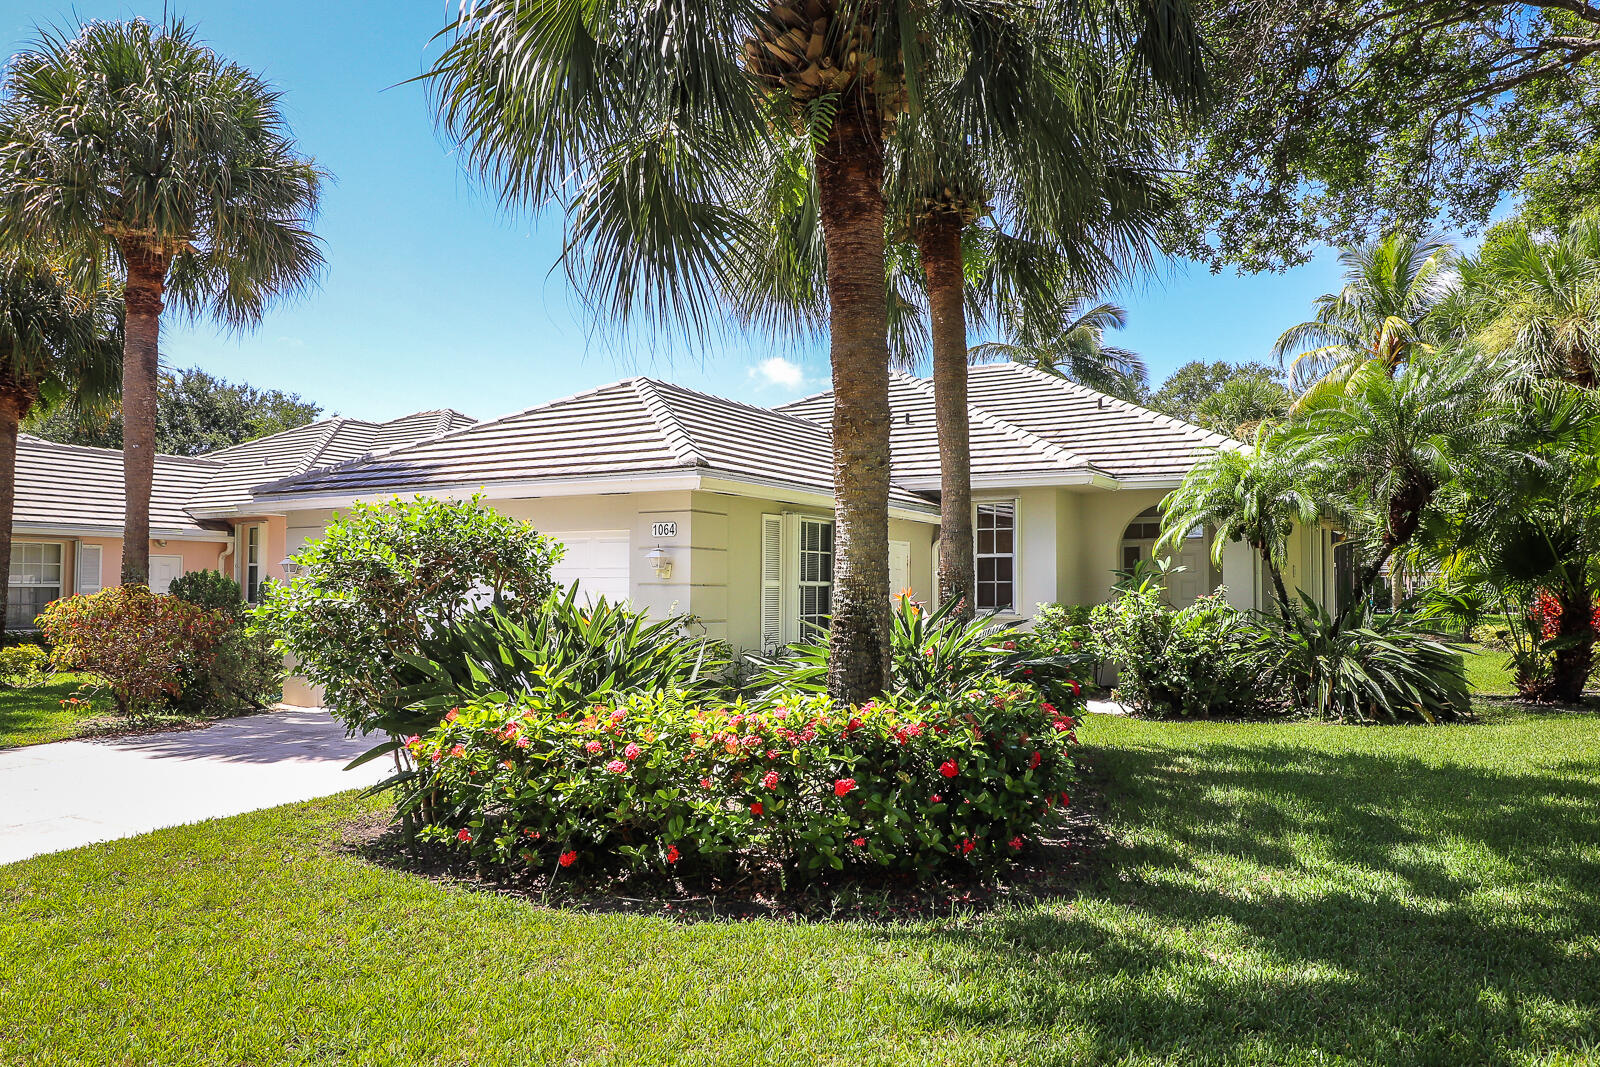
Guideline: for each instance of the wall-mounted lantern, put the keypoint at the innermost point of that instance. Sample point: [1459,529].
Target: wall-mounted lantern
[661,561]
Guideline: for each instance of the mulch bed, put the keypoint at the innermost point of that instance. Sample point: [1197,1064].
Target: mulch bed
[1056,864]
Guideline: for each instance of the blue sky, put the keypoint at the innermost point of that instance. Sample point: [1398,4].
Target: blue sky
[434,297]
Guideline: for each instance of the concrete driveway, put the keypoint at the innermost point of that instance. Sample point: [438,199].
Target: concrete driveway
[70,793]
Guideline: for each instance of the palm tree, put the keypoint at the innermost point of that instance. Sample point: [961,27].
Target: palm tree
[1071,345]
[1392,287]
[1390,444]
[55,345]
[141,144]
[1242,405]
[1255,494]
[648,122]
[1537,299]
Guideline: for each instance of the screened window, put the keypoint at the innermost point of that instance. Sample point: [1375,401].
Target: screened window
[816,575]
[997,556]
[35,582]
[253,556]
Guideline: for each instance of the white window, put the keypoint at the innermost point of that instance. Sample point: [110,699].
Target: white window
[997,556]
[35,582]
[255,549]
[816,576]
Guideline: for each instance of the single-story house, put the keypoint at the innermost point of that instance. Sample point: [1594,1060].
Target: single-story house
[684,502]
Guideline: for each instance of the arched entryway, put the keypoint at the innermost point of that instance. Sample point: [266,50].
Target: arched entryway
[1183,586]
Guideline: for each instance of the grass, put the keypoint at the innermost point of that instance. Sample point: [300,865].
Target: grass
[1274,894]
[34,715]
[1487,672]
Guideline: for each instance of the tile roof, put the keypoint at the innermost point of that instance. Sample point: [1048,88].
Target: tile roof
[634,427]
[1028,423]
[317,444]
[73,487]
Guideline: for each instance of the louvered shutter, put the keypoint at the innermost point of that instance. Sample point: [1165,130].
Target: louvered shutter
[771,581]
[88,566]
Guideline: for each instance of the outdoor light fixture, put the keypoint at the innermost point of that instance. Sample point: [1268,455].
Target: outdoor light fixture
[290,567]
[661,560]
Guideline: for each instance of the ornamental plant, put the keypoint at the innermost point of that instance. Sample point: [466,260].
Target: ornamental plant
[135,643]
[661,781]
[363,597]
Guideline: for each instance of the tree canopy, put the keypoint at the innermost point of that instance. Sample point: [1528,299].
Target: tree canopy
[196,412]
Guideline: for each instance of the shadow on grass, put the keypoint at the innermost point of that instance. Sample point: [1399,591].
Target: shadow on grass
[1282,904]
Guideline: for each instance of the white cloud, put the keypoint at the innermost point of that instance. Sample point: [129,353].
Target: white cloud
[778,371]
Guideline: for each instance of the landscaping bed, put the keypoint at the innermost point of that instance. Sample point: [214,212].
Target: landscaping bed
[1284,893]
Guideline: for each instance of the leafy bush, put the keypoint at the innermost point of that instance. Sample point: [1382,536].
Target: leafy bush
[1380,669]
[383,577]
[22,665]
[1066,630]
[208,589]
[566,655]
[136,643]
[656,780]
[937,655]
[1203,660]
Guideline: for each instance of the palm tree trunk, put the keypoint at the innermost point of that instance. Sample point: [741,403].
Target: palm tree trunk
[939,240]
[13,409]
[850,191]
[147,276]
[1571,665]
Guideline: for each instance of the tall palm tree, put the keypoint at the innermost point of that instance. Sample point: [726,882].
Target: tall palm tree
[1071,345]
[1392,286]
[1255,494]
[143,145]
[1536,299]
[647,122]
[55,345]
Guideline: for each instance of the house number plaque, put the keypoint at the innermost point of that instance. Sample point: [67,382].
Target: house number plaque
[663,529]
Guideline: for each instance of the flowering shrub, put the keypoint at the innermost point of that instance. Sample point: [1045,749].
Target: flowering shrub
[134,642]
[1065,630]
[22,665]
[656,780]
[1547,615]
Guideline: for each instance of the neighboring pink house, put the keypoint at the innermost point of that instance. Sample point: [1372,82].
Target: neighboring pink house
[67,529]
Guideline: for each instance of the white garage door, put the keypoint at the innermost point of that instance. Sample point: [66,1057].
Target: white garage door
[597,561]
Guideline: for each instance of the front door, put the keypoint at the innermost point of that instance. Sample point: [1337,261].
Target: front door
[162,570]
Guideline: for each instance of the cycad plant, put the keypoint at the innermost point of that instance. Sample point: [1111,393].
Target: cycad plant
[56,345]
[647,122]
[174,168]
[1382,315]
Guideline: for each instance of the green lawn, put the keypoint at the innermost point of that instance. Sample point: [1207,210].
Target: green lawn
[33,716]
[1275,894]
[1487,672]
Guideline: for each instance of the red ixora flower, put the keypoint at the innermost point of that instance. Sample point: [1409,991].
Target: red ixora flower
[616,766]
[459,751]
[592,747]
[860,842]
[935,798]
[1035,761]
[463,834]
[567,858]
[672,853]
[770,779]
[843,786]
[450,716]
[852,726]
[967,845]
[756,809]
[1015,842]
[631,752]
[949,769]
[705,783]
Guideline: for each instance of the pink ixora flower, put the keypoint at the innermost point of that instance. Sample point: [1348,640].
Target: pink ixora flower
[949,769]
[843,786]
[770,779]
[618,715]
[412,741]
[631,752]
[463,834]
[567,858]
[459,751]
[450,716]
[592,747]
[616,766]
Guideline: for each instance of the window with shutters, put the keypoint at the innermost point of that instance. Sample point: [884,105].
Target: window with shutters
[255,548]
[996,556]
[88,567]
[35,582]
[771,582]
[816,576]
